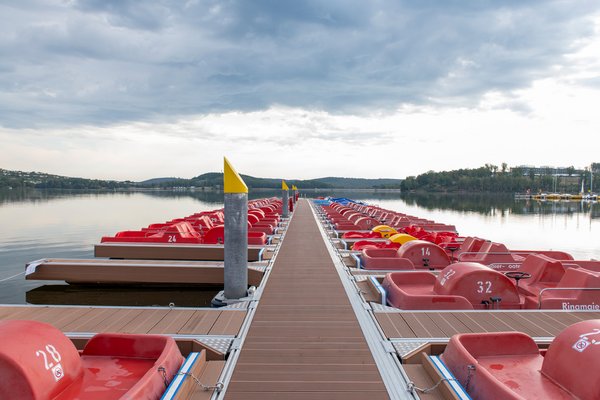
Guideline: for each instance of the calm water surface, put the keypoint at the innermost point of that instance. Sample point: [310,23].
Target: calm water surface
[47,224]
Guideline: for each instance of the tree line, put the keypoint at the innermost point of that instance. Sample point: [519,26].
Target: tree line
[491,178]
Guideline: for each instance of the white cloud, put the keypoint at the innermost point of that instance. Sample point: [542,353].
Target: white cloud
[100,91]
[297,143]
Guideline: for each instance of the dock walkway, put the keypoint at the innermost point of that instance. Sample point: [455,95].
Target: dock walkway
[305,341]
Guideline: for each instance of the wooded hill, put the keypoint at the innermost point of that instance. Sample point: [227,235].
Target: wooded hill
[490,178]
[40,180]
[211,180]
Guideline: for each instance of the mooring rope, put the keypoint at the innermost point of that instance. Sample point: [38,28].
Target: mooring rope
[10,277]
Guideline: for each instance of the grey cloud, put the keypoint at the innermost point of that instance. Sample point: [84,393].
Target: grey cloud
[102,62]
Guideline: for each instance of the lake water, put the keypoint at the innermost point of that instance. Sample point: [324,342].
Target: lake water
[59,224]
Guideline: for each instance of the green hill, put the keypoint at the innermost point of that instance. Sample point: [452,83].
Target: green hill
[40,180]
[214,180]
[359,183]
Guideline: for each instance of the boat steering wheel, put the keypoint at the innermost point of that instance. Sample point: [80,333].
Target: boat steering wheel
[517,276]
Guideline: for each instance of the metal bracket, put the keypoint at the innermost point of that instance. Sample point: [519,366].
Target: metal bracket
[388,347]
[236,344]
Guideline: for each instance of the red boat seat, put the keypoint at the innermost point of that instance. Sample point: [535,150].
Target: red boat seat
[545,272]
[458,286]
[216,235]
[256,211]
[354,216]
[259,225]
[183,230]
[557,255]
[345,226]
[414,291]
[180,232]
[470,244]
[384,259]
[270,219]
[478,284]
[360,245]
[548,276]
[509,365]
[415,254]
[573,360]
[566,299]
[361,234]
[37,361]
[424,254]
[366,222]
[592,265]
[345,210]
[132,234]
[435,227]
[400,222]
[495,255]
[203,223]
[268,209]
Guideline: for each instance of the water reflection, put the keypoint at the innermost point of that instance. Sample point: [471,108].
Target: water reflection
[558,207]
[28,195]
[491,204]
[485,204]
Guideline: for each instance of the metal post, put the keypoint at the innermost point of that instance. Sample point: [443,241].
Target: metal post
[236,234]
[285,198]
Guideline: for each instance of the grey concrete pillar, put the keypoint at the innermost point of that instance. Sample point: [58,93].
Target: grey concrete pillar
[236,234]
[285,198]
[236,245]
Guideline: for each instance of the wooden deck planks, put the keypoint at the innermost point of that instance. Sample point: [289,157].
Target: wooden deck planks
[228,323]
[144,321]
[395,327]
[445,324]
[423,326]
[305,341]
[132,320]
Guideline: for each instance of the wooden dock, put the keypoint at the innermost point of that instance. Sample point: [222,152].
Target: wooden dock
[314,329]
[304,341]
[170,251]
[136,272]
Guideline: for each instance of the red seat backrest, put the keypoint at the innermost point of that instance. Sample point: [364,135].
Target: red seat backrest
[476,283]
[573,360]
[424,254]
[543,269]
[37,361]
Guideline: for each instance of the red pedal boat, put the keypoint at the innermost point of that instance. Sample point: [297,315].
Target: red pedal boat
[510,366]
[37,361]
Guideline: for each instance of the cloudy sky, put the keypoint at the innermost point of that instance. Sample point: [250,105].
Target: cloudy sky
[296,89]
